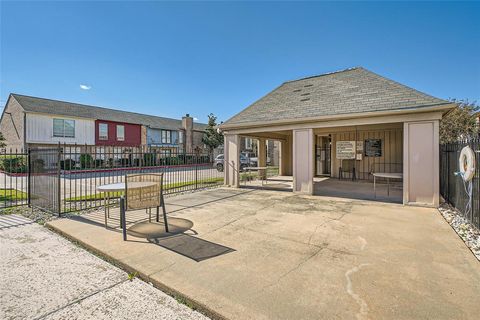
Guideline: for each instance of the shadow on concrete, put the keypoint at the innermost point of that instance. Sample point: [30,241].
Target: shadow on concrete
[359,190]
[191,247]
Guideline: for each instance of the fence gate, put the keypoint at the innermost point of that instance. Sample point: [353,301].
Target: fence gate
[44,179]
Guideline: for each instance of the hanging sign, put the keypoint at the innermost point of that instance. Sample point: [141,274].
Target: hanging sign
[345,150]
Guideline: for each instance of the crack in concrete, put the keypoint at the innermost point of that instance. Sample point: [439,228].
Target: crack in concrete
[80,299]
[363,313]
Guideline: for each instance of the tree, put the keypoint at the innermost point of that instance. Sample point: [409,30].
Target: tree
[2,141]
[212,138]
[460,123]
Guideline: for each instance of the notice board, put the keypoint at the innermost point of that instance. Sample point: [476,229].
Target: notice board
[373,147]
[345,150]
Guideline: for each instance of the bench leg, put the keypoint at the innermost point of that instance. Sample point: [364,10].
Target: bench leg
[123,222]
[164,213]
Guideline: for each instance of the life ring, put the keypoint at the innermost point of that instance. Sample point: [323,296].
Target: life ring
[466,162]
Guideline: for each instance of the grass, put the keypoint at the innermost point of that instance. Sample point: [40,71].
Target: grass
[12,195]
[271,171]
[169,186]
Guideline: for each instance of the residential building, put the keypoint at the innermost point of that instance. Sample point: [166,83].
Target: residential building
[37,122]
[347,123]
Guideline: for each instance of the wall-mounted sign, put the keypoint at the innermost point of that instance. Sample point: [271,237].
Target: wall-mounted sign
[345,150]
[359,146]
[373,147]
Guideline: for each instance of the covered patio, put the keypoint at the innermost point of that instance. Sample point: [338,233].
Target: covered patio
[351,125]
[261,254]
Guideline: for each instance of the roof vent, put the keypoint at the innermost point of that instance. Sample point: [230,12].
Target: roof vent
[297,90]
[308,85]
[306,99]
[305,94]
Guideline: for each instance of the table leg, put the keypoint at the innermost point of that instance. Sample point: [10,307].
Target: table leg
[108,204]
[374,188]
[105,207]
[388,187]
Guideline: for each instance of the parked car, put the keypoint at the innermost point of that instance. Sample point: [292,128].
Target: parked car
[218,163]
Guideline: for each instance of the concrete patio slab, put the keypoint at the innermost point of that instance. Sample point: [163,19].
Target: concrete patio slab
[302,257]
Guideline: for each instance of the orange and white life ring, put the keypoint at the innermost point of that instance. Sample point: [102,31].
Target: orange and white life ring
[466,162]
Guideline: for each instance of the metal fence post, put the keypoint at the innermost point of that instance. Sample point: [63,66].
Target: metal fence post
[29,178]
[59,182]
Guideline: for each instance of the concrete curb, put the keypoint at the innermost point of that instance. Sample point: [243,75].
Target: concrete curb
[177,295]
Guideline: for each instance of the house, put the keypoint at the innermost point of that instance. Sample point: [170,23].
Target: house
[37,122]
[348,123]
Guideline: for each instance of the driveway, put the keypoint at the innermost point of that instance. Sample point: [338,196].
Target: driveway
[44,276]
[290,256]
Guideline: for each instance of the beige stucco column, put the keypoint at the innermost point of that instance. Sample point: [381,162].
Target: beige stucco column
[421,163]
[262,154]
[285,157]
[231,165]
[303,166]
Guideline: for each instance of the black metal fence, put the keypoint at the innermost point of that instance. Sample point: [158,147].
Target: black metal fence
[452,186]
[65,178]
[13,178]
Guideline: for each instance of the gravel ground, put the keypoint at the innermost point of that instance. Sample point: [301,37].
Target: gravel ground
[44,276]
[469,234]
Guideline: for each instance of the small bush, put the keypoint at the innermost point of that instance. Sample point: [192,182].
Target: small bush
[14,164]
[149,159]
[67,164]
[99,163]
[86,161]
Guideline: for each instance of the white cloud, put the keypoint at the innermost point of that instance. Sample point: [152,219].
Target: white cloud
[195,119]
[85,87]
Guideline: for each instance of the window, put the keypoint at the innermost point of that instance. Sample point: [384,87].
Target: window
[180,137]
[103,131]
[64,128]
[248,143]
[120,133]
[166,136]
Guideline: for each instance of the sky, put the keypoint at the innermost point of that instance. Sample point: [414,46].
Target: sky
[173,58]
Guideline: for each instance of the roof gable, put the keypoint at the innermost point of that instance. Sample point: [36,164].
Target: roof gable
[70,109]
[349,91]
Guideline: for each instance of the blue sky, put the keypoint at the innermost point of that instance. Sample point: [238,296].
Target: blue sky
[169,59]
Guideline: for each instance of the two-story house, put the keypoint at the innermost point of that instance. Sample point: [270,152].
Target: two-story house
[28,122]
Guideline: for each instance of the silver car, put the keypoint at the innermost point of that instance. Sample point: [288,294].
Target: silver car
[218,163]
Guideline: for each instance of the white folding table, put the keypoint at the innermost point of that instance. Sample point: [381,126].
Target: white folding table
[388,176]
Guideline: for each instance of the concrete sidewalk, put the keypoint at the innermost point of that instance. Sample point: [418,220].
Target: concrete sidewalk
[292,256]
[44,276]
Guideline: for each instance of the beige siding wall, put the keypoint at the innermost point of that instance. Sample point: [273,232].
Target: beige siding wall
[391,136]
[12,125]
[40,130]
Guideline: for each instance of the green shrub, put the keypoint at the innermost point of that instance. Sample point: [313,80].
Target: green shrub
[86,161]
[67,164]
[99,163]
[14,164]
[149,159]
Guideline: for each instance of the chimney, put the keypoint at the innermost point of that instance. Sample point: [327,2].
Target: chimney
[187,125]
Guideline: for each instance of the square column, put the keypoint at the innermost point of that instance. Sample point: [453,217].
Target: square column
[303,165]
[231,163]
[285,166]
[421,163]
[262,155]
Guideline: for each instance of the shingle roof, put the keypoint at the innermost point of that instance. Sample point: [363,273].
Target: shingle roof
[349,91]
[70,109]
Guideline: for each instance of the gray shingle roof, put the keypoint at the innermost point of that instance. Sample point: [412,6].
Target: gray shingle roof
[349,91]
[70,109]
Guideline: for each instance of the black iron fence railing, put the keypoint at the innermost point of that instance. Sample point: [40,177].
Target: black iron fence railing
[65,178]
[13,178]
[452,186]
